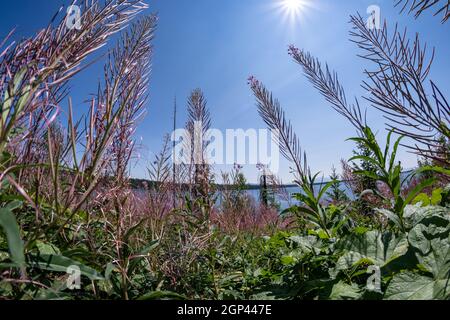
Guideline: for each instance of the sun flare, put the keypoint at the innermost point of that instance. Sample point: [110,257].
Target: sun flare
[293,10]
[293,6]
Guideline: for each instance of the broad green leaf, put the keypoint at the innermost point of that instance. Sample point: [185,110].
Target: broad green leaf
[307,244]
[441,289]
[57,263]
[11,228]
[346,261]
[412,215]
[410,286]
[431,238]
[343,291]
[371,247]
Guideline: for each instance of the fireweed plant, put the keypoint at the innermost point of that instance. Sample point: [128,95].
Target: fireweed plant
[74,225]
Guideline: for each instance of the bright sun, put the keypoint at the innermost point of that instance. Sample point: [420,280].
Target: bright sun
[293,10]
[293,6]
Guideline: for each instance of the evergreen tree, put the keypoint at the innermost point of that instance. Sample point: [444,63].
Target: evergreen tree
[336,194]
[364,182]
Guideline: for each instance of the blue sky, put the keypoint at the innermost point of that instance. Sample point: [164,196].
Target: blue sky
[217,44]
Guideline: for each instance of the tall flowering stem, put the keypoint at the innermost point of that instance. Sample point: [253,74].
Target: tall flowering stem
[274,116]
[33,72]
[397,85]
[417,7]
[328,84]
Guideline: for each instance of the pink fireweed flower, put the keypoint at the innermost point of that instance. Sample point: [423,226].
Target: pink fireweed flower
[293,51]
[253,82]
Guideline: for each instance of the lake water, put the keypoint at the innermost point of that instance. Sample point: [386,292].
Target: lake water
[285,200]
[290,190]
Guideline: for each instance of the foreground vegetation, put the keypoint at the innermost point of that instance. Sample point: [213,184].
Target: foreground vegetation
[67,203]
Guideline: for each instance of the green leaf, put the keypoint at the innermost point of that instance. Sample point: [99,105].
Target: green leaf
[322,234]
[391,216]
[162,295]
[287,260]
[141,254]
[445,202]
[434,169]
[370,141]
[365,158]
[6,107]
[14,205]
[417,189]
[371,247]
[343,291]
[23,100]
[110,267]
[51,294]
[394,153]
[431,238]
[324,189]
[307,244]
[368,174]
[19,77]
[388,145]
[131,231]
[410,286]
[3,256]
[58,263]
[11,228]
[436,196]
[423,199]
[47,248]
[414,214]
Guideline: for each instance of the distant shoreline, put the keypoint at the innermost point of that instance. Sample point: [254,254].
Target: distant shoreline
[140,183]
